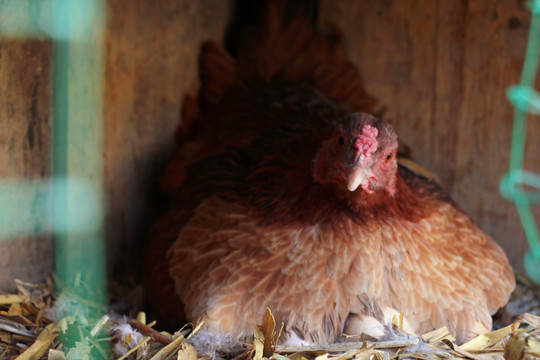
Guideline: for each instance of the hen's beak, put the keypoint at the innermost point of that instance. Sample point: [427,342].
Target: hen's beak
[356,177]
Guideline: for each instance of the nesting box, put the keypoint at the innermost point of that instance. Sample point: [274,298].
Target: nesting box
[440,69]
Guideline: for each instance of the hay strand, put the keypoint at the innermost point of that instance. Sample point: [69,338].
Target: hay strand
[27,331]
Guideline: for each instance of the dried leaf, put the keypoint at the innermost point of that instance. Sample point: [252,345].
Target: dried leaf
[322,357]
[17,310]
[277,356]
[56,355]
[268,329]
[81,351]
[515,348]
[481,342]
[458,350]
[7,299]
[439,335]
[187,352]
[258,343]
[64,323]
[395,322]
[373,354]
[306,354]
[534,348]
[42,343]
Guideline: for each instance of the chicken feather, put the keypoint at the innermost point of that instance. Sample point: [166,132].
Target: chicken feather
[286,194]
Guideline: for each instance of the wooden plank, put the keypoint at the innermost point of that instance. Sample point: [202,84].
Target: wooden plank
[495,34]
[442,68]
[151,51]
[25,73]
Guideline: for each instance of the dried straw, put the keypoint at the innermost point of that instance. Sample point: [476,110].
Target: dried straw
[28,331]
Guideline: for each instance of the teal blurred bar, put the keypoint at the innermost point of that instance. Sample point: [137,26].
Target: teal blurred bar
[25,18]
[78,143]
[27,207]
[70,205]
[38,18]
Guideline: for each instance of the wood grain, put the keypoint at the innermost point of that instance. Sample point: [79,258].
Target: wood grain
[25,73]
[442,68]
[151,63]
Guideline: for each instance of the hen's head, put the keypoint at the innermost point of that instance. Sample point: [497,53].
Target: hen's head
[360,155]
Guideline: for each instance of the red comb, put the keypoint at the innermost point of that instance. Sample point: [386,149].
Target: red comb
[366,144]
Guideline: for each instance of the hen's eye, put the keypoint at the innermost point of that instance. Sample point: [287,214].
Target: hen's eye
[389,157]
[341,141]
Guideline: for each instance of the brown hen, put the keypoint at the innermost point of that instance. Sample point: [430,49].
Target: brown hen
[286,194]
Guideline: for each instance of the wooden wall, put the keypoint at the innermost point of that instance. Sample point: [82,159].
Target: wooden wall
[150,63]
[151,51]
[25,75]
[442,68]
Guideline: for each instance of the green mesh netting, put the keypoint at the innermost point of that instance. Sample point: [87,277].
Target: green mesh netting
[518,185]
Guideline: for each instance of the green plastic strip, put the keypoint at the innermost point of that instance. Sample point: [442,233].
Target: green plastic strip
[518,185]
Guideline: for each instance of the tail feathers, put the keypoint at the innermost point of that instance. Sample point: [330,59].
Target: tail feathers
[189,114]
[300,53]
[278,41]
[218,72]
[285,46]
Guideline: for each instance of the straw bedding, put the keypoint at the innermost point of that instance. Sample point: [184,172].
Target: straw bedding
[31,327]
